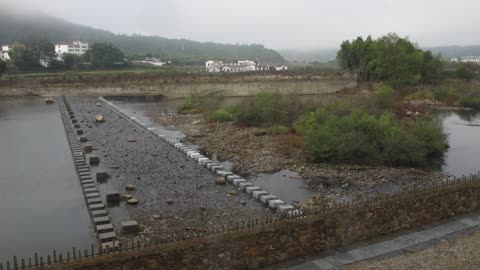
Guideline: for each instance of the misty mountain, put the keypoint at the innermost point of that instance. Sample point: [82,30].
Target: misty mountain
[456,51]
[320,55]
[24,27]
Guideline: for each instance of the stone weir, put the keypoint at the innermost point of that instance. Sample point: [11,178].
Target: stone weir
[258,194]
[96,206]
[165,192]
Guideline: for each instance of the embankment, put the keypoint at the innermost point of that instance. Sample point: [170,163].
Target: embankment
[180,89]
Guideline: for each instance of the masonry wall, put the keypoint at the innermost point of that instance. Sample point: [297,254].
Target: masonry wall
[272,243]
[179,90]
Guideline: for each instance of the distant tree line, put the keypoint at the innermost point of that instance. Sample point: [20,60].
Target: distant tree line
[40,54]
[389,58]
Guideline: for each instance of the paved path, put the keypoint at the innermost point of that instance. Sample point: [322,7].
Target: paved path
[394,245]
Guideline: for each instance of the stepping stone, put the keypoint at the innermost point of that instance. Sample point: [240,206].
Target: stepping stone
[129,226]
[237,182]
[99,213]
[90,190]
[102,176]
[266,198]
[83,139]
[285,209]
[79,132]
[104,228]
[216,168]
[87,148]
[96,207]
[250,190]
[76,126]
[101,220]
[74,121]
[89,185]
[244,185]
[94,161]
[87,182]
[94,201]
[84,174]
[92,195]
[232,177]
[107,237]
[273,204]
[257,193]
[113,198]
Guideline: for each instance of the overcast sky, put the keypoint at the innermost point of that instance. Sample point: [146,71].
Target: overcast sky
[278,24]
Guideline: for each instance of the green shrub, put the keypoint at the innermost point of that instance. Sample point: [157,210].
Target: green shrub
[221,115]
[201,102]
[363,138]
[383,95]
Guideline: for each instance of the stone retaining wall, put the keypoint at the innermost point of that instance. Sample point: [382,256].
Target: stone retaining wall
[180,90]
[270,242]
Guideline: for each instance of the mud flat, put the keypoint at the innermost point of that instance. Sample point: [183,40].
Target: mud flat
[174,193]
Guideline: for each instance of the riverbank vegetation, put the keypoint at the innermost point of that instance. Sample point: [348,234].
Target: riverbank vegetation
[359,130]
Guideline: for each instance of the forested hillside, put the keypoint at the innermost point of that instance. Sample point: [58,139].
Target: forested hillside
[39,26]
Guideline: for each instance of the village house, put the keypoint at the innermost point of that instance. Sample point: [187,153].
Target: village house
[4,53]
[77,48]
[471,59]
[235,66]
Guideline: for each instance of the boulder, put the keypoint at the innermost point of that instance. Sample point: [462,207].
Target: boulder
[99,118]
[130,187]
[220,181]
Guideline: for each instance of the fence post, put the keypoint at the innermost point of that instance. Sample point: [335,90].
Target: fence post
[85,253]
[54,256]
[36,259]
[41,260]
[15,263]
[29,263]
[23,263]
[60,258]
[74,254]
[8,265]
[92,250]
[68,256]
[48,260]
[1,266]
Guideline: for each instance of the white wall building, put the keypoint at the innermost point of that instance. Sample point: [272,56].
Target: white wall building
[4,52]
[471,59]
[236,66]
[280,68]
[76,48]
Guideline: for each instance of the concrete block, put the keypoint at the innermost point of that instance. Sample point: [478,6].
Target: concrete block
[190,153]
[266,198]
[209,165]
[107,237]
[94,161]
[87,148]
[202,160]
[130,226]
[273,204]
[76,126]
[94,201]
[90,185]
[101,220]
[250,190]
[79,132]
[99,213]
[216,168]
[90,190]
[96,207]
[285,208]
[102,176]
[104,228]
[225,174]
[244,185]
[83,139]
[257,193]
[230,178]
[238,181]
[92,195]
[113,198]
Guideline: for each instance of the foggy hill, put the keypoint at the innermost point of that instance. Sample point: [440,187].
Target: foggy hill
[15,27]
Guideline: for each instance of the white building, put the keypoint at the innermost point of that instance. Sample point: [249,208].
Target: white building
[280,68]
[235,66]
[4,52]
[471,59]
[76,48]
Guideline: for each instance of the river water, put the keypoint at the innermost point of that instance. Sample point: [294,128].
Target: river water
[460,159]
[41,202]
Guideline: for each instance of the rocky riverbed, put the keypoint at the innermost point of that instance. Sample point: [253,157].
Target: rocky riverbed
[254,150]
[175,195]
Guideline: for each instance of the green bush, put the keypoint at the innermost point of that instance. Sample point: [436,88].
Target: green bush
[364,138]
[221,115]
[383,96]
[201,102]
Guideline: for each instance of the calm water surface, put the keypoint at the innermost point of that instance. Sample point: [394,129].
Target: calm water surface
[41,203]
